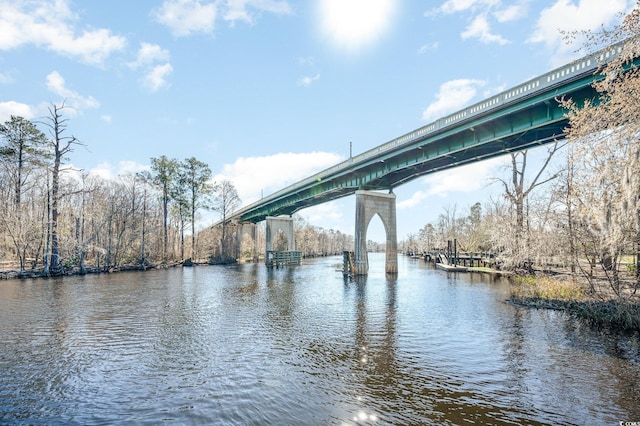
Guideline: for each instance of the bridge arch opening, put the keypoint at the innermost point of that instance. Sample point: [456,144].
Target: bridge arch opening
[247,246]
[281,241]
[376,233]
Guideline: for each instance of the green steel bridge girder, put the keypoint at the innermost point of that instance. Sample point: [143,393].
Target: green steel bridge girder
[529,122]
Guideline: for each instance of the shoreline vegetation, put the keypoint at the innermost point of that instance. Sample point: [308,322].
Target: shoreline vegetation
[574,297]
[15,274]
[589,295]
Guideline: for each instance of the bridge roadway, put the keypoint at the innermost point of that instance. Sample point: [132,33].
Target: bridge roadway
[524,116]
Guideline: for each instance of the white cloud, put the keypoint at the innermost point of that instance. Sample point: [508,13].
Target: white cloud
[452,6]
[481,10]
[238,10]
[355,23]
[131,167]
[7,109]
[185,17]
[307,80]
[456,6]
[452,96]
[427,47]
[149,54]
[106,118]
[512,12]
[254,177]
[50,25]
[108,171]
[329,215]
[470,178]
[156,78]
[93,47]
[56,84]
[103,170]
[481,30]
[567,16]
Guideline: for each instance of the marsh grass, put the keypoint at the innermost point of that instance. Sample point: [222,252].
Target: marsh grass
[546,288]
[611,313]
[549,293]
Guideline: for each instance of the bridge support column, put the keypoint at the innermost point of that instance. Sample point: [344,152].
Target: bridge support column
[274,224]
[368,204]
[251,229]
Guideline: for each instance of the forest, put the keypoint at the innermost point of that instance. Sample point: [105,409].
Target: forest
[57,220]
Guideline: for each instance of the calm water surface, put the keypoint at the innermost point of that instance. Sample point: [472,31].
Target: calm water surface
[248,345]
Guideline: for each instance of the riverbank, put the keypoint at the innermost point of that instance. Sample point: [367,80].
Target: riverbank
[14,273]
[11,274]
[567,295]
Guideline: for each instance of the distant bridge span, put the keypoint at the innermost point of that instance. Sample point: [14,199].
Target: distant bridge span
[522,117]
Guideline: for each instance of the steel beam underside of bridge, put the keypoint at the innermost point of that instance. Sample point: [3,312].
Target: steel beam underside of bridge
[534,121]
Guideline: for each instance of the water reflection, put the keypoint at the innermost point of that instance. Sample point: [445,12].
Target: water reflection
[249,345]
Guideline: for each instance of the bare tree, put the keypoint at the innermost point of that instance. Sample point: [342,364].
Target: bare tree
[143,178]
[517,192]
[61,146]
[427,236]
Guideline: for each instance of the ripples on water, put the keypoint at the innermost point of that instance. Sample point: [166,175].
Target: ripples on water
[248,345]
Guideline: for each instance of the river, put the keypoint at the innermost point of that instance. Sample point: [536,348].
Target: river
[248,345]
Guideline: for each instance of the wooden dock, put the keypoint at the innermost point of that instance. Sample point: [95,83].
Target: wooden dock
[348,263]
[282,258]
[467,259]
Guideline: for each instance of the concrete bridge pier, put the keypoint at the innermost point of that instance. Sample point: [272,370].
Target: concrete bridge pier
[252,230]
[368,204]
[273,225]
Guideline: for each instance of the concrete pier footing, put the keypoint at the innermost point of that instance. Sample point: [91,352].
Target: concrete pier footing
[273,225]
[368,204]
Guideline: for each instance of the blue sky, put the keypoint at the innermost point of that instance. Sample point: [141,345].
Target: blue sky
[268,92]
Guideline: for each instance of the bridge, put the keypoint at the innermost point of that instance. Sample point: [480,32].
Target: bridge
[522,117]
